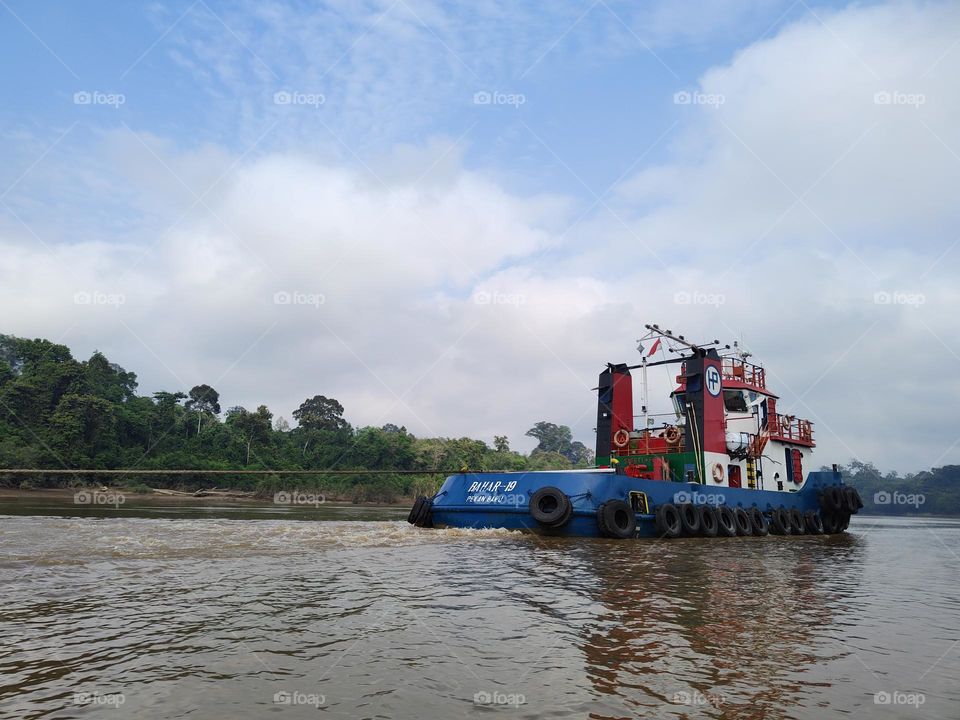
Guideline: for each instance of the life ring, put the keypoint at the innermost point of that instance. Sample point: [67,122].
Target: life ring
[620,438]
[717,471]
[672,435]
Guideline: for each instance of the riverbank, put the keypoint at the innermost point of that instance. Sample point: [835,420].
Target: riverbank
[213,496]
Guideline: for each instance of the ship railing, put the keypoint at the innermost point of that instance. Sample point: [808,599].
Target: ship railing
[650,446]
[791,429]
[742,371]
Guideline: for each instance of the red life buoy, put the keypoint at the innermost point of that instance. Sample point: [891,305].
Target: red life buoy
[672,435]
[621,437]
[717,472]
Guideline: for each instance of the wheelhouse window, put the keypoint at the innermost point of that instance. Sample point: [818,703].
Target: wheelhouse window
[734,401]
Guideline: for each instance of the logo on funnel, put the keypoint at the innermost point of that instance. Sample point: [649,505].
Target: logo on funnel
[713,381]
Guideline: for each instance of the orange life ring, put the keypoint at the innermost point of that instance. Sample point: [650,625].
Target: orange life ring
[717,471]
[672,435]
[621,437]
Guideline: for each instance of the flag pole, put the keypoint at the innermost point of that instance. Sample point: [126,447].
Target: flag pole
[646,423]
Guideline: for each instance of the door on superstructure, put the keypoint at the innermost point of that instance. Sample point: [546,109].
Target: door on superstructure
[733,476]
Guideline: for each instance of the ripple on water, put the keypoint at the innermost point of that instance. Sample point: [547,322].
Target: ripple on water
[202,618]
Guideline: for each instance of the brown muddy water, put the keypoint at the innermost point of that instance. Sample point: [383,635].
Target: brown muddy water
[166,611]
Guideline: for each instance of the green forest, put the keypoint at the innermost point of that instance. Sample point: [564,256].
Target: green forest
[57,412]
[933,492]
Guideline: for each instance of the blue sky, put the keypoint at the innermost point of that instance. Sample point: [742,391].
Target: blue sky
[192,160]
[390,72]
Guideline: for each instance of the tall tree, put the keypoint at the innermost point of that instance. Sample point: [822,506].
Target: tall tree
[320,413]
[80,424]
[108,380]
[203,399]
[501,443]
[559,439]
[578,453]
[551,437]
[254,427]
[168,399]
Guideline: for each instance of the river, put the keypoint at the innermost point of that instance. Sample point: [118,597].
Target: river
[174,611]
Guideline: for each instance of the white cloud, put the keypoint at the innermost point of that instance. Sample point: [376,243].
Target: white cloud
[455,307]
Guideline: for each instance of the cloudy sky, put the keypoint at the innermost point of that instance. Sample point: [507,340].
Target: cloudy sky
[450,217]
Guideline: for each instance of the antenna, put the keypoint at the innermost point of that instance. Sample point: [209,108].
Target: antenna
[680,339]
[740,351]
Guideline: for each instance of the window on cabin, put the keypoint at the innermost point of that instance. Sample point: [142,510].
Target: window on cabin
[734,401]
[680,404]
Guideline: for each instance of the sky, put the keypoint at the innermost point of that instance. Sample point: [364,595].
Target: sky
[450,217]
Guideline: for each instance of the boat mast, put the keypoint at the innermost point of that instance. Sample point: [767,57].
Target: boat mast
[680,339]
[644,386]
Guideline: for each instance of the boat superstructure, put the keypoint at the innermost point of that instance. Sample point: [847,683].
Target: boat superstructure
[725,462]
[728,432]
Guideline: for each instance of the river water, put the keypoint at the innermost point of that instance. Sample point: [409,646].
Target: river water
[225,612]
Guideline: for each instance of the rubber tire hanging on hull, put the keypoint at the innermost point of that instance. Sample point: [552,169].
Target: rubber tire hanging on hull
[550,507]
[835,523]
[414,511]
[797,525]
[689,519]
[616,519]
[420,512]
[779,521]
[759,521]
[831,499]
[709,525]
[667,521]
[744,526]
[726,521]
[851,500]
[813,522]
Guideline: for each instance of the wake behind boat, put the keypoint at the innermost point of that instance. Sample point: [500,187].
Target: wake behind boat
[729,465]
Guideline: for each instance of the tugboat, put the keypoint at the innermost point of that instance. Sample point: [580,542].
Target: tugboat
[728,465]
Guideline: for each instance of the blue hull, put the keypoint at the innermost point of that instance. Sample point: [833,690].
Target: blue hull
[500,500]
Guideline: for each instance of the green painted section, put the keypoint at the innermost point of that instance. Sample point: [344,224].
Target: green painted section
[676,461]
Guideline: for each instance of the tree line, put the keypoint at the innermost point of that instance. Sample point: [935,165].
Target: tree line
[57,412]
[928,492]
